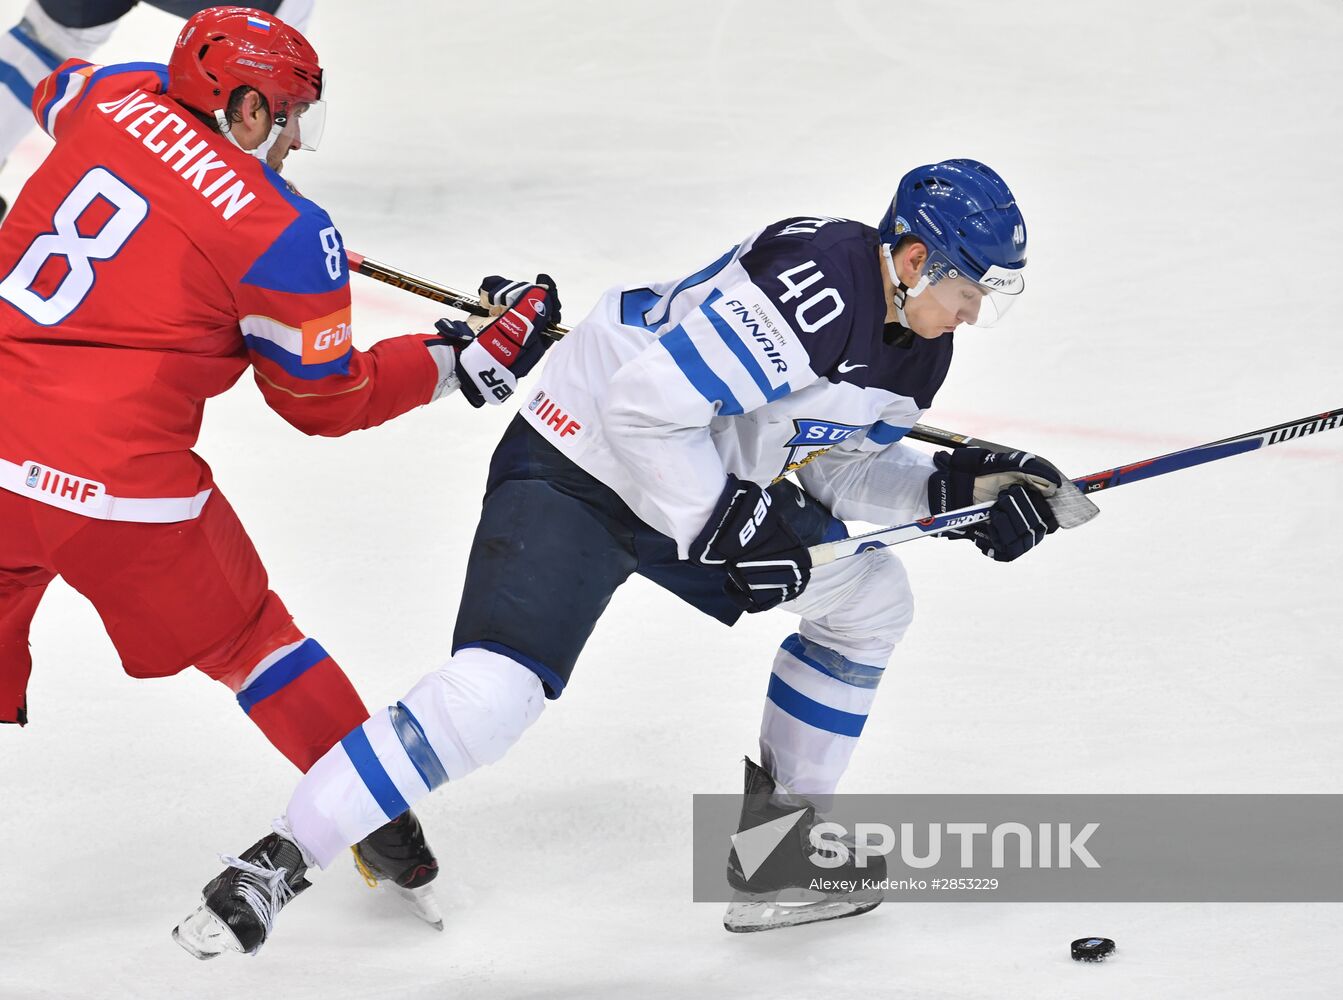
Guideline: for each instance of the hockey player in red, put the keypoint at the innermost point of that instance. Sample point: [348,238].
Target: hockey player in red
[151,260]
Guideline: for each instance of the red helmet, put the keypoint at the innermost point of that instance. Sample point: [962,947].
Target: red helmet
[222,48]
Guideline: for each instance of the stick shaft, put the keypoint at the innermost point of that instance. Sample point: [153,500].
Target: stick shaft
[1110,478]
[1201,454]
[425,288]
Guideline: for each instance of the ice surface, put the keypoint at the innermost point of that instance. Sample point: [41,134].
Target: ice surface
[1178,165]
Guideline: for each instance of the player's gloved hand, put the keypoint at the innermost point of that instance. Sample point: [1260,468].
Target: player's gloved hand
[766,562]
[1018,481]
[499,350]
[498,295]
[1018,522]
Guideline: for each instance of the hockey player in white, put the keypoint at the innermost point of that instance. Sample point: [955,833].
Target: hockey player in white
[658,441]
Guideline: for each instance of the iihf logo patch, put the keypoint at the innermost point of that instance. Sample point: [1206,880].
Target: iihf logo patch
[536,401]
[33,472]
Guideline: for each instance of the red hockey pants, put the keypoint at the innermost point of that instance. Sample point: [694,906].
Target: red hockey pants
[193,593]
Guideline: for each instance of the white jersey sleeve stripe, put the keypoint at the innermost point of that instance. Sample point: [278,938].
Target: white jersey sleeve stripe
[730,336]
[287,338]
[677,343]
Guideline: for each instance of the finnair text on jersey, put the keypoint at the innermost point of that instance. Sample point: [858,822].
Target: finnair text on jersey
[739,310]
[147,120]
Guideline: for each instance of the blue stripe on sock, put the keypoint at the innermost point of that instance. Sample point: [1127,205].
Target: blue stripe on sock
[283,671]
[373,774]
[416,744]
[49,59]
[832,663]
[813,713]
[11,77]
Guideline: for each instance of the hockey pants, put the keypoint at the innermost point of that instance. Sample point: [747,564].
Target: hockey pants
[173,596]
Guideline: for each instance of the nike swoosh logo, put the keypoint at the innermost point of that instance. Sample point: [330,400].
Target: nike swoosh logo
[846,366]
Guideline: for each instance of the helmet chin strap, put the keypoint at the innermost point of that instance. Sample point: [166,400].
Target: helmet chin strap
[900,292]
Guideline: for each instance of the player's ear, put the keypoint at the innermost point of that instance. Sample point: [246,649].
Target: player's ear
[909,260]
[254,107]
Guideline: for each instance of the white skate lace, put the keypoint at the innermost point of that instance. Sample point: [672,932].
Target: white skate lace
[263,889]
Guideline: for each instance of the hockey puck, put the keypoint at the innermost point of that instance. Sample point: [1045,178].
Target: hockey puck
[1092,949]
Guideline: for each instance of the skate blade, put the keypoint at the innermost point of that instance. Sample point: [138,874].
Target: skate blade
[748,913]
[422,902]
[204,935]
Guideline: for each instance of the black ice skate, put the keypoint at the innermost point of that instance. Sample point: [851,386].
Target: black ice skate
[777,891]
[241,902]
[397,853]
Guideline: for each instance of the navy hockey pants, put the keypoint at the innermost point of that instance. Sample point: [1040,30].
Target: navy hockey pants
[553,544]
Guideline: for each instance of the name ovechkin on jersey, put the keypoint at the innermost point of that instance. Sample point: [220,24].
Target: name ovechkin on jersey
[189,165]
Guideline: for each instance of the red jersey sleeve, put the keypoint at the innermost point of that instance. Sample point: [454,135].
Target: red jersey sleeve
[294,311]
[59,91]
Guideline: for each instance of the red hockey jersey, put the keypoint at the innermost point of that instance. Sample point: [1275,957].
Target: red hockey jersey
[146,264]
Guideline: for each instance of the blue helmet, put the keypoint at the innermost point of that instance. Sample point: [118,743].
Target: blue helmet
[967,217]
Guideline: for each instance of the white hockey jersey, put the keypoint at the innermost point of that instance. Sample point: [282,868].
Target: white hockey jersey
[773,359]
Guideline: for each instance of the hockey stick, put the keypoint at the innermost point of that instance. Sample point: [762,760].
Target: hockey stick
[1150,468]
[406,281]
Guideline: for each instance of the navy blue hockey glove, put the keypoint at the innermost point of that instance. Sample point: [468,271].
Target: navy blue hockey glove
[1017,523]
[493,352]
[746,534]
[1018,481]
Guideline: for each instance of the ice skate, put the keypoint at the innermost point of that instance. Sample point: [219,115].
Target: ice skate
[241,902]
[397,854]
[776,891]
